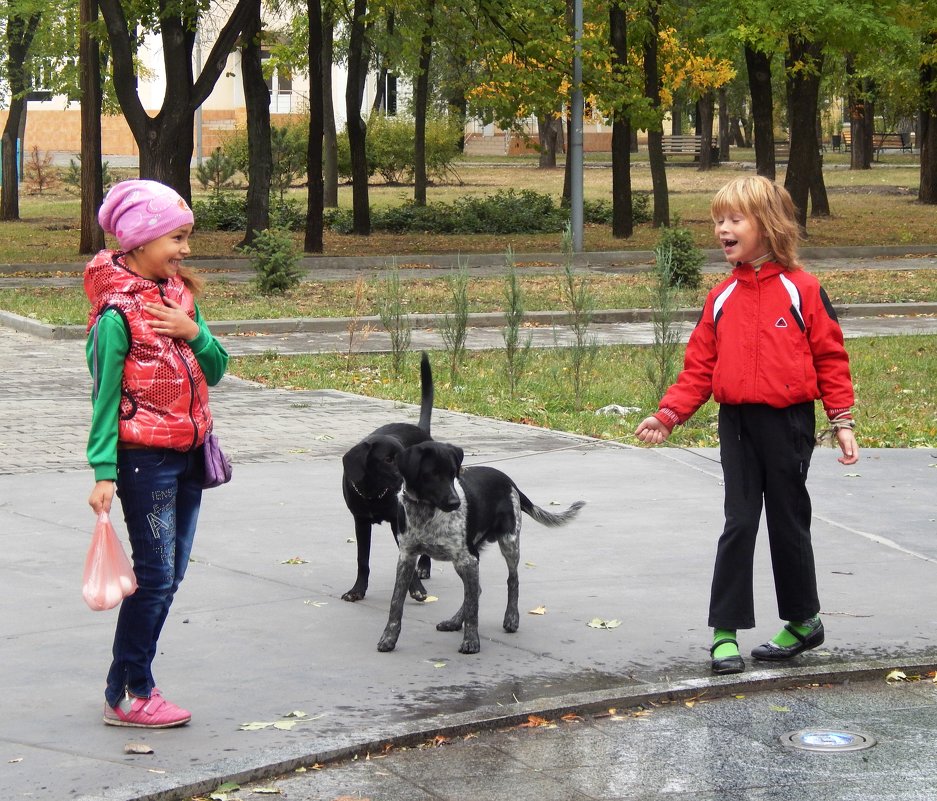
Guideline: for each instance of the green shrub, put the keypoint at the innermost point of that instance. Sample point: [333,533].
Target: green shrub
[224,211]
[599,212]
[685,259]
[275,260]
[288,214]
[216,171]
[288,146]
[389,147]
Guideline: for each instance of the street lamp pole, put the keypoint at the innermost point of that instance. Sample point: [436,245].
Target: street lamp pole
[575,138]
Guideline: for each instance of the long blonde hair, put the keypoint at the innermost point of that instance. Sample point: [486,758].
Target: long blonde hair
[771,206]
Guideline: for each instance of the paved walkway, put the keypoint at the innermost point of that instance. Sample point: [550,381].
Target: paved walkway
[259,632]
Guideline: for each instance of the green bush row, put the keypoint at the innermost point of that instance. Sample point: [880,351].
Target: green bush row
[505,212]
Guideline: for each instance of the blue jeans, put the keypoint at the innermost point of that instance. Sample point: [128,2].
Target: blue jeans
[160,491]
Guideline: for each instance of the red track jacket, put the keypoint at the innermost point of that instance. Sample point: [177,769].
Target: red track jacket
[769,337]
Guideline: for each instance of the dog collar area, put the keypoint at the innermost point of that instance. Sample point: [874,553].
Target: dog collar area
[380,495]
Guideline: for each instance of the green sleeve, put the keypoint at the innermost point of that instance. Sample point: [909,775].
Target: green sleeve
[211,356]
[112,347]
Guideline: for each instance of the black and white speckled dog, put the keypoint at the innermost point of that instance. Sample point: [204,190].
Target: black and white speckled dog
[371,480]
[450,513]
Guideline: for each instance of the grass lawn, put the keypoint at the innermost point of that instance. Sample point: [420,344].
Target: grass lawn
[226,300]
[895,408]
[869,207]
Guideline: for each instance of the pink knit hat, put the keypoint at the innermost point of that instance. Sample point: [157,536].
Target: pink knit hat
[137,212]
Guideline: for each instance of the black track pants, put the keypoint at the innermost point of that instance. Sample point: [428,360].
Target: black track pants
[765,457]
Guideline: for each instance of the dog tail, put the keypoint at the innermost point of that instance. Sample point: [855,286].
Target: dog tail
[546,518]
[426,393]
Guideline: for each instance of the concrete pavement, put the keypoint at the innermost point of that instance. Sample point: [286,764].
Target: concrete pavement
[259,633]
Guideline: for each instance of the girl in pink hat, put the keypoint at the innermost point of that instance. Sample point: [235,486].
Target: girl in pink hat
[152,358]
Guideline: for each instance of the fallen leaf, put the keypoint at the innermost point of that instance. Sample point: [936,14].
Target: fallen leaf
[296,560]
[780,708]
[430,599]
[137,748]
[296,714]
[534,721]
[896,676]
[853,475]
[267,791]
[530,564]
[598,623]
[316,604]
[540,610]
[14,761]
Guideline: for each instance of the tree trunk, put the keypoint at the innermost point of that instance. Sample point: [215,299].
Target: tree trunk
[622,206]
[314,183]
[91,238]
[724,132]
[166,140]
[357,130]
[676,114]
[804,170]
[759,84]
[705,131]
[330,135]
[655,148]
[421,101]
[550,131]
[20,31]
[928,189]
[259,156]
[380,92]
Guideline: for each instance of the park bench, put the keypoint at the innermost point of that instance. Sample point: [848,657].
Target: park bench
[892,141]
[882,141]
[782,150]
[686,145]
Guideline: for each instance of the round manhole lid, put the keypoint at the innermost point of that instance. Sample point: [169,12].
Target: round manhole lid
[832,740]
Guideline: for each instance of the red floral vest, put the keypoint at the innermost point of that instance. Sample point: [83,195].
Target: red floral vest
[164,395]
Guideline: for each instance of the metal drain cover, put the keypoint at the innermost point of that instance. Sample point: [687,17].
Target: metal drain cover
[831,740]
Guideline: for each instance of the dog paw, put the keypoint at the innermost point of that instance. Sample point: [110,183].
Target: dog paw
[423,567]
[418,592]
[353,595]
[386,644]
[470,646]
[511,622]
[449,625]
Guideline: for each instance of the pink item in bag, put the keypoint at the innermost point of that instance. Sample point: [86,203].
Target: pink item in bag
[108,576]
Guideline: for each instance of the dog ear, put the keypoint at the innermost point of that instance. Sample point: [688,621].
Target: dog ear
[457,456]
[403,458]
[354,462]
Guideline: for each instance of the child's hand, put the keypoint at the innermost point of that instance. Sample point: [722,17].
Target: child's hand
[847,444]
[652,431]
[171,320]
[101,496]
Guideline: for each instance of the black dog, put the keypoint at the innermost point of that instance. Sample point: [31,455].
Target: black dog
[450,513]
[371,481]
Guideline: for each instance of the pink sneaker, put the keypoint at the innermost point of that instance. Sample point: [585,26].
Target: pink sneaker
[154,712]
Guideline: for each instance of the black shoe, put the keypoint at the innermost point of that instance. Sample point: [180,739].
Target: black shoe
[728,664]
[772,652]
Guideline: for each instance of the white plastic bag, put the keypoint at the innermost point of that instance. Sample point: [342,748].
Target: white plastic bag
[108,576]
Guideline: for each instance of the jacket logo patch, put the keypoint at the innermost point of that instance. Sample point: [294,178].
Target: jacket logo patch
[781,323]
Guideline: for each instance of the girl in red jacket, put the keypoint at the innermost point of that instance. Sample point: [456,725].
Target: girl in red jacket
[152,358]
[766,347]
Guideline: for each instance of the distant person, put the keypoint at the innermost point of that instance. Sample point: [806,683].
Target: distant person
[152,358]
[767,346]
